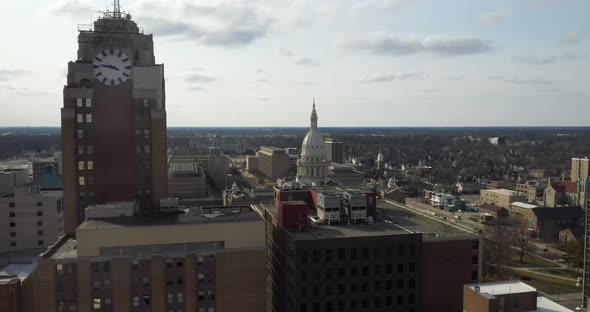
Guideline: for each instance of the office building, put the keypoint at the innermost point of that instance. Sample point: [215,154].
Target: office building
[580,169]
[273,162]
[312,166]
[251,163]
[506,296]
[326,256]
[186,180]
[113,120]
[334,150]
[346,175]
[500,197]
[31,219]
[152,264]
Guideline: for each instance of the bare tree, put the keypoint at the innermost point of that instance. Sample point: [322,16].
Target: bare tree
[498,244]
[520,239]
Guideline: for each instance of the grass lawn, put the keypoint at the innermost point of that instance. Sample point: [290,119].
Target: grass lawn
[545,284]
[529,261]
[560,272]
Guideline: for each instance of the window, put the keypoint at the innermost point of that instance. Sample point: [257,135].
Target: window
[96,285]
[80,165]
[134,265]
[146,300]
[39,213]
[107,284]
[146,103]
[12,234]
[89,149]
[12,224]
[145,282]
[107,301]
[39,204]
[12,244]
[40,243]
[12,214]
[94,267]
[59,268]
[106,266]
[137,149]
[80,149]
[96,304]
[201,295]
[79,118]
[146,149]
[11,205]
[211,294]
[412,267]
[170,298]
[400,268]
[88,102]
[200,277]
[146,133]
[80,133]
[90,179]
[135,301]
[81,181]
[88,118]
[179,280]
[90,165]
[82,196]
[179,264]
[78,102]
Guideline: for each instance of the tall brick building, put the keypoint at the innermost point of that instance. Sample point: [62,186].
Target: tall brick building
[113,120]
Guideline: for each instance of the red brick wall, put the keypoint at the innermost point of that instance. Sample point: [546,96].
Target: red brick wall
[446,268]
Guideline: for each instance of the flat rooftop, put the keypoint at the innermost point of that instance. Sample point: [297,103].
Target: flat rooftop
[389,220]
[502,191]
[185,216]
[184,168]
[64,248]
[503,288]
[523,205]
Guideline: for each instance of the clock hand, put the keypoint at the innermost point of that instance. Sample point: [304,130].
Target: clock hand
[110,66]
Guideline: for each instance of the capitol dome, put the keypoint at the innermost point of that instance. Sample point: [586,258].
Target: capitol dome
[312,166]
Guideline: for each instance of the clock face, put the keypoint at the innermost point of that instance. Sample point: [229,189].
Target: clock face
[112,67]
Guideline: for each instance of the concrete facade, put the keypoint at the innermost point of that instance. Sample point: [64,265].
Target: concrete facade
[334,150]
[186,180]
[580,169]
[273,162]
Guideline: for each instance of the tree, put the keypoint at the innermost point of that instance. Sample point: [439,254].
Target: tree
[497,246]
[520,239]
[574,257]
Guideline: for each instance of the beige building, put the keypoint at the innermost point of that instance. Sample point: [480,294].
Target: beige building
[273,162]
[580,168]
[31,219]
[500,197]
[205,260]
[251,163]
[346,175]
[186,180]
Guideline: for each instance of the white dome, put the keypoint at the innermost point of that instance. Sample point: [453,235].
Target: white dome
[313,164]
[313,145]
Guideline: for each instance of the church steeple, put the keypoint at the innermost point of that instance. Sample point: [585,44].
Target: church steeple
[314,117]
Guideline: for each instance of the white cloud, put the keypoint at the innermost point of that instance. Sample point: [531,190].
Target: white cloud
[72,8]
[385,77]
[523,81]
[490,19]
[7,74]
[307,62]
[383,44]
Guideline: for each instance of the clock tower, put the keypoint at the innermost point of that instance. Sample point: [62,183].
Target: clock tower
[113,120]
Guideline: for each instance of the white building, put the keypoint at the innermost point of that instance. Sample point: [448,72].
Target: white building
[312,166]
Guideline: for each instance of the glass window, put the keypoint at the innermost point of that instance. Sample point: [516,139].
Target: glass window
[135,301]
[81,181]
[79,102]
[80,133]
[12,234]
[80,118]
[146,103]
[107,301]
[80,149]
[96,304]
[39,213]
[12,244]
[59,268]
[80,165]
[12,224]
[89,149]
[88,102]
[170,298]
[90,165]
[146,149]
[180,297]
[12,214]
[88,118]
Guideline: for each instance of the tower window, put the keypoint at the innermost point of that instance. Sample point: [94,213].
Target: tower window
[80,118]
[79,102]
[81,181]
[88,102]
[80,165]
[80,133]
[90,165]
[88,118]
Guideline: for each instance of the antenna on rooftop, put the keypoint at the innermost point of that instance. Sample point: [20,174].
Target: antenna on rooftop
[117,8]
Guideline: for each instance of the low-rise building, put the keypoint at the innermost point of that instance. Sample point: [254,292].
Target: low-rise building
[497,212]
[561,193]
[346,175]
[506,296]
[500,197]
[521,207]
[186,180]
[546,223]
[467,187]
[251,163]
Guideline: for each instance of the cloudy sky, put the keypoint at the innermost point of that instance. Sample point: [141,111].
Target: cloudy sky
[367,63]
